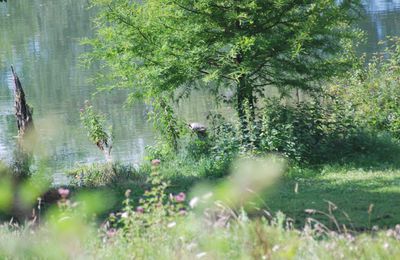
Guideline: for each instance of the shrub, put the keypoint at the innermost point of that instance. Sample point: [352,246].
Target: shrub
[306,132]
[373,92]
[94,124]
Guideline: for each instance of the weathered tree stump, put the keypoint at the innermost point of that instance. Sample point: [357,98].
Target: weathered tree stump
[23,112]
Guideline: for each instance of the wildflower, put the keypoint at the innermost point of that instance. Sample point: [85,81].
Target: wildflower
[386,245]
[180,197]
[201,255]
[171,225]
[193,202]
[111,232]
[81,110]
[182,212]
[127,193]
[155,162]
[140,210]
[63,192]
[124,215]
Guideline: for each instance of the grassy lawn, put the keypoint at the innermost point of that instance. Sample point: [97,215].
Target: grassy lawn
[351,190]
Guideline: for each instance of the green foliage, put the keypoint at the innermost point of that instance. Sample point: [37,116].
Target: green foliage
[154,47]
[372,93]
[167,123]
[224,136]
[164,44]
[155,211]
[307,132]
[94,124]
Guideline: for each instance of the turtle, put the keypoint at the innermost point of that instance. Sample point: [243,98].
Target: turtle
[198,128]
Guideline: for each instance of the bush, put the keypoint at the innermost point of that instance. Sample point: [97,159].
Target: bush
[308,132]
[94,123]
[373,92]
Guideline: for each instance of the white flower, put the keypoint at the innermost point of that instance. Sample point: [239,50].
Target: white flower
[200,255]
[124,215]
[275,248]
[386,245]
[193,202]
[172,224]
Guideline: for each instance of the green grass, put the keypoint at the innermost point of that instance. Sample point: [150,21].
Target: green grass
[351,190]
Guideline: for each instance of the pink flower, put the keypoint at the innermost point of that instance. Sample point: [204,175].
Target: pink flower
[140,210]
[180,197]
[155,162]
[63,192]
[111,232]
[182,212]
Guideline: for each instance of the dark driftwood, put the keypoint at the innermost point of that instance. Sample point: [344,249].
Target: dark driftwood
[23,112]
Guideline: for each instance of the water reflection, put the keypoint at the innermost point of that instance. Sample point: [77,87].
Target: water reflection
[41,39]
[381,6]
[382,20]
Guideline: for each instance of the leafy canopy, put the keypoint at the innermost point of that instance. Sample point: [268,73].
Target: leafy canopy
[154,47]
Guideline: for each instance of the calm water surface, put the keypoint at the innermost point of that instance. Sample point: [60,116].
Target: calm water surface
[41,39]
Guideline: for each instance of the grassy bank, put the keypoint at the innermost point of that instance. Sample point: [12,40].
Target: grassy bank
[358,197]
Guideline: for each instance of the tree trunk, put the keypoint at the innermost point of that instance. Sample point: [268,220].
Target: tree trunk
[245,105]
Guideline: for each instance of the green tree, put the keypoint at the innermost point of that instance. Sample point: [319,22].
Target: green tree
[155,47]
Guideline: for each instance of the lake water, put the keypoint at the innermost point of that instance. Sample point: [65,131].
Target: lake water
[41,39]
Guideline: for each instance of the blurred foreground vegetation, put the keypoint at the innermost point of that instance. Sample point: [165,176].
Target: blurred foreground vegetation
[227,220]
